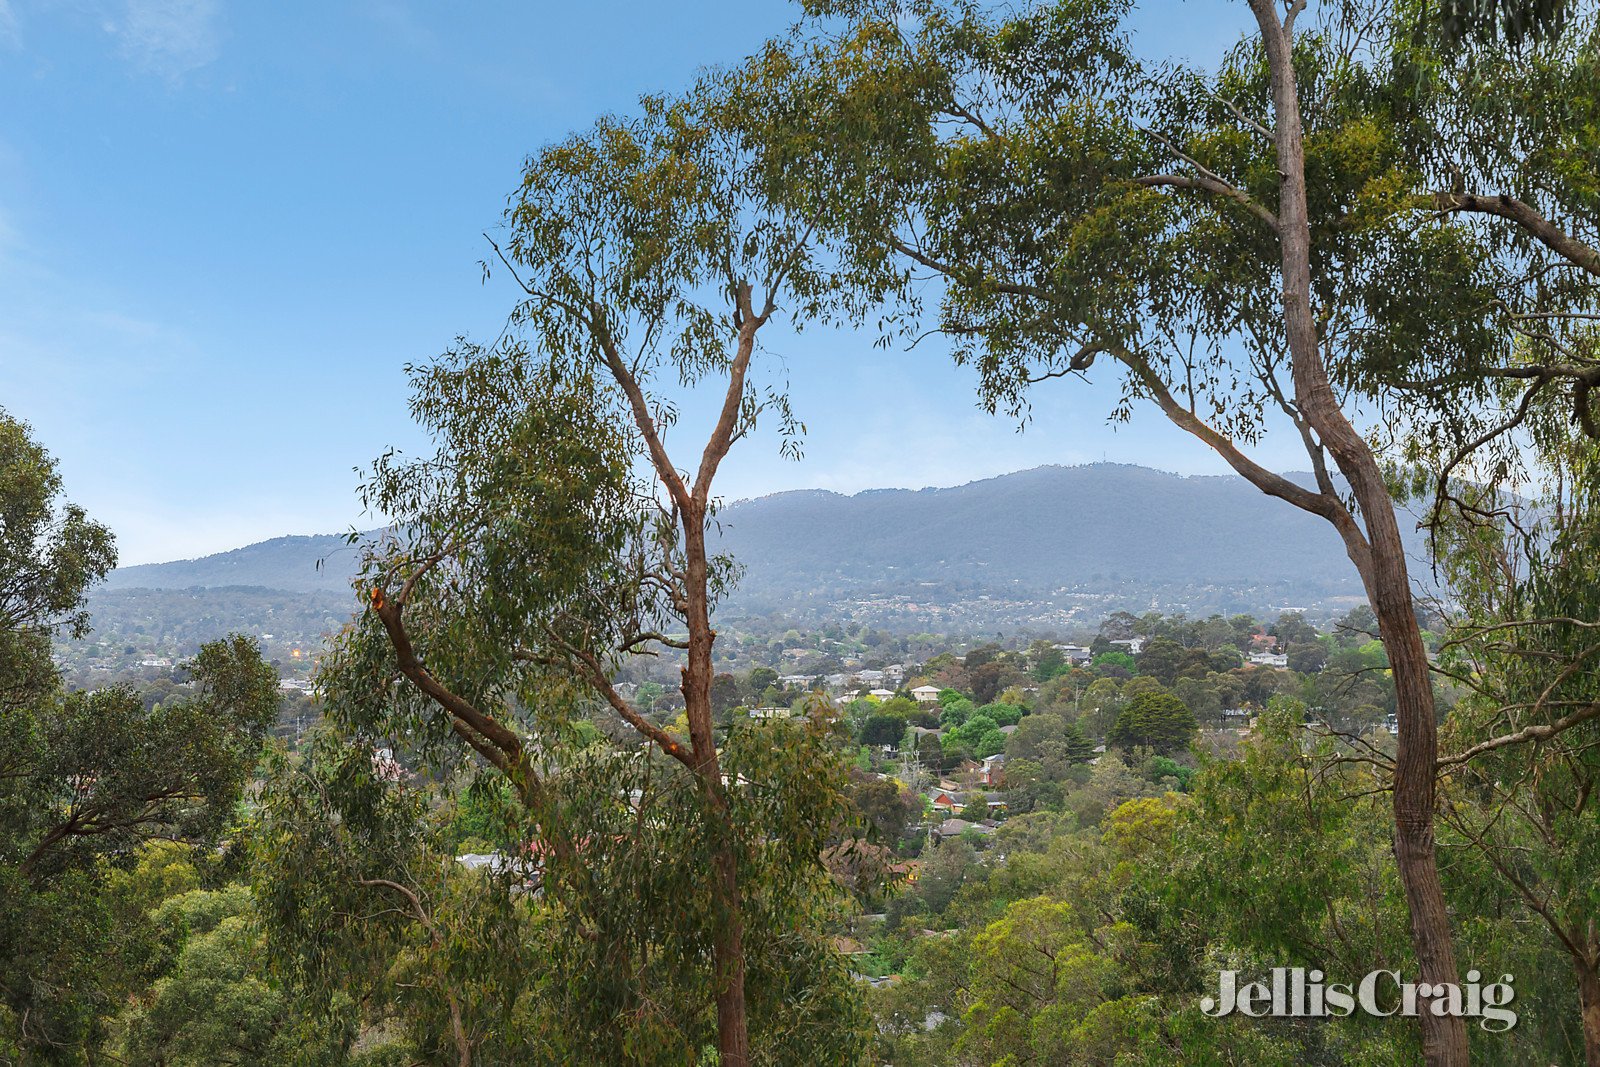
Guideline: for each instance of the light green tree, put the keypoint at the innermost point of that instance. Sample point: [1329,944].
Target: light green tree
[1523,767]
[529,559]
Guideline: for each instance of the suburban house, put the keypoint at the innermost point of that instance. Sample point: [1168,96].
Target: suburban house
[770,713]
[1269,659]
[1131,645]
[956,827]
[907,871]
[1075,653]
[946,801]
[993,769]
[926,694]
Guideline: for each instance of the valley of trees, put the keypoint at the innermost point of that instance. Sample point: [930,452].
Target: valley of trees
[537,818]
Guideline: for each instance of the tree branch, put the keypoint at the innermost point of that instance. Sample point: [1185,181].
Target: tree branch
[1584,257]
[1542,732]
[489,738]
[642,416]
[1268,482]
[596,674]
[457,1030]
[1210,183]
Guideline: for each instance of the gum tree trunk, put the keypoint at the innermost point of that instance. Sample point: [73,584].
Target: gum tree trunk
[1381,561]
[733,1031]
[1589,999]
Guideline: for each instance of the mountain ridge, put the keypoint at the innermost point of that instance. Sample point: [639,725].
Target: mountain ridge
[1026,532]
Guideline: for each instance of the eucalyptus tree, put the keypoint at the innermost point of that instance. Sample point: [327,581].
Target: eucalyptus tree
[1523,773]
[1288,240]
[85,777]
[369,924]
[1503,141]
[51,553]
[559,530]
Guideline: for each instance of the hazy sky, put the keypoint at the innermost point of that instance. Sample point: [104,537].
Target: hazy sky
[224,229]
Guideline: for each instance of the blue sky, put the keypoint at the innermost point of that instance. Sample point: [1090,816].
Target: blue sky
[224,228]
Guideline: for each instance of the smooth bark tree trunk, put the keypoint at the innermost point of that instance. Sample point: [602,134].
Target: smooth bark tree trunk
[1589,1002]
[733,1030]
[1381,561]
[1444,1038]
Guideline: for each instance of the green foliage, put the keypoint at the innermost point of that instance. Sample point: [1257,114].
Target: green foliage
[88,776]
[1270,840]
[103,772]
[1042,987]
[886,806]
[883,730]
[1048,661]
[609,958]
[1520,814]
[978,735]
[1094,938]
[78,933]
[1161,768]
[1100,703]
[215,1002]
[954,712]
[1002,714]
[51,552]
[1158,721]
[486,813]
[1114,659]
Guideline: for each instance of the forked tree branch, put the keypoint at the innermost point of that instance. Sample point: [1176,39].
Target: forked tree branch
[457,1029]
[489,738]
[594,672]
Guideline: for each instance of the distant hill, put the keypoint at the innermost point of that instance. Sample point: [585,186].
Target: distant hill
[318,563]
[1036,530]
[1029,532]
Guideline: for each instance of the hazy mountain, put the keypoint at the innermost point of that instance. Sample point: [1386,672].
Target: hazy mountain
[1028,532]
[320,562]
[1036,530]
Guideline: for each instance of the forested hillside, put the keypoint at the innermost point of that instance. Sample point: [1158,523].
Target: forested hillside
[1035,531]
[320,562]
[1091,527]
